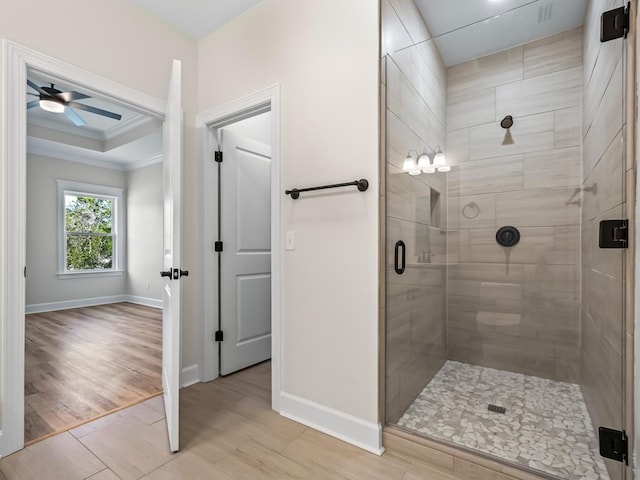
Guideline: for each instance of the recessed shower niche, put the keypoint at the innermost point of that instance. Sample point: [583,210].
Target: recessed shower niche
[514,352]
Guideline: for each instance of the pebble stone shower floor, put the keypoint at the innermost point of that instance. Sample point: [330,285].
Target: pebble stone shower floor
[546,425]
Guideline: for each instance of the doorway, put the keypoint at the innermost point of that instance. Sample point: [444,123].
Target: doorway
[21,61]
[93,251]
[247,132]
[244,220]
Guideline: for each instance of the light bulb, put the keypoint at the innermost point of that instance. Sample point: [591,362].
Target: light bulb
[409,164]
[444,169]
[52,106]
[439,160]
[415,172]
[429,169]
[423,161]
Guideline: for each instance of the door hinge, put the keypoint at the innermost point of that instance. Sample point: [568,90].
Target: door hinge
[217,156]
[218,336]
[615,23]
[614,444]
[614,234]
[217,246]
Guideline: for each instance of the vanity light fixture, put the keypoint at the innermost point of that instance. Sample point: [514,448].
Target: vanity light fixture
[425,162]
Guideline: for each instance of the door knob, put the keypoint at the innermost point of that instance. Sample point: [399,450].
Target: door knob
[166,274]
[177,273]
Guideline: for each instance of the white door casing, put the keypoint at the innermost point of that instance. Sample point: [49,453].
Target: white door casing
[172,228]
[245,281]
[16,59]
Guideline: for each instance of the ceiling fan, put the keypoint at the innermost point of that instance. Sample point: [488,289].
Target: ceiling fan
[53,100]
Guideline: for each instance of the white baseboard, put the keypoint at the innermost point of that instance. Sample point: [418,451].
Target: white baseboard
[190,375]
[66,304]
[353,430]
[90,302]
[146,301]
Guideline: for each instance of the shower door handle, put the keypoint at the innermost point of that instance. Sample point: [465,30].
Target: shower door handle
[396,256]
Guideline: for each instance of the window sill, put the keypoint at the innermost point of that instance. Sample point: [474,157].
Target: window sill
[88,274]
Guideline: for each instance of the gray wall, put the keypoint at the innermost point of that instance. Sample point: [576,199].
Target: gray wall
[415,84]
[144,232]
[602,270]
[143,197]
[43,284]
[517,308]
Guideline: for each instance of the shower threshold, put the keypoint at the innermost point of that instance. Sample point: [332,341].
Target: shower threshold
[545,425]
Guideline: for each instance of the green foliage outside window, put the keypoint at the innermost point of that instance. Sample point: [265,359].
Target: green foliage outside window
[89,232]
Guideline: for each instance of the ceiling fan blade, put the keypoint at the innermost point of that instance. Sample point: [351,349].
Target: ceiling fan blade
[35,103]
[69,96]
[74,117]
[37,88]
[97,111]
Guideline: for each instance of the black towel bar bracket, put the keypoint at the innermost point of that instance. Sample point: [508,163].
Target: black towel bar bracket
[362,185]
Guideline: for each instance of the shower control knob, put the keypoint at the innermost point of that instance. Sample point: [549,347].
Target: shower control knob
[507,236]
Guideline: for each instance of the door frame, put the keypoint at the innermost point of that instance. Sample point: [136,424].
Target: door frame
[256,103]
[16,60]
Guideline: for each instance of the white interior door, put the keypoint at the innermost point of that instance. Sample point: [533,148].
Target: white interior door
[245,280]
[171,311]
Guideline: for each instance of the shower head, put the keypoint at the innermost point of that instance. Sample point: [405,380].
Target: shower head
[507,122]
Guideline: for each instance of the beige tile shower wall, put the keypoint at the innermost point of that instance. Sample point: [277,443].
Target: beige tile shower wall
[414,79]
[603,174]
[518,308]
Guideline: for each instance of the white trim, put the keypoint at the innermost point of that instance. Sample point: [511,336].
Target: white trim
[354,430]
[16,59]
[253,104]
[88,274]
[190,375]
[145,162]
[92,302]
[42,151]
[145,301]
[67,304]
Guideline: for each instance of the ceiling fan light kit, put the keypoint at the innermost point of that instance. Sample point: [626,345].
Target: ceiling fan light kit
[51,105]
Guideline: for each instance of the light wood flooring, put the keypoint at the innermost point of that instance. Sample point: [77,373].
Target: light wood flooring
[227,431]
[84,362]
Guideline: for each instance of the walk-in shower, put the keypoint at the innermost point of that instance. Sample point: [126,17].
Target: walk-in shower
[505,319]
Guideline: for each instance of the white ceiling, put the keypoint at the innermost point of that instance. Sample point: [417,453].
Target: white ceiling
[196,18]
[131,142]
[468,29]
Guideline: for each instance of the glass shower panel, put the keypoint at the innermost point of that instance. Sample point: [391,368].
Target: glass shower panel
[416,239]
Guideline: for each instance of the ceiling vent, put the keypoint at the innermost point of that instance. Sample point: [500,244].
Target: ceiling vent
[545,12]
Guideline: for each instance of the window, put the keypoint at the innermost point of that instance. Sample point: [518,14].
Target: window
[91,229]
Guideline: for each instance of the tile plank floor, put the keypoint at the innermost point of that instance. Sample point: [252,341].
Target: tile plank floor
[85,362]
[227,431]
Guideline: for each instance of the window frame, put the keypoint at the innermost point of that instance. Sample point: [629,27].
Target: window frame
[116,194]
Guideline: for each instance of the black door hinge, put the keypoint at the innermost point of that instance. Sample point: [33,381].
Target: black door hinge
[615,23]
[219,336]
[217,156]
[614,234]
[217,246]
[614,444]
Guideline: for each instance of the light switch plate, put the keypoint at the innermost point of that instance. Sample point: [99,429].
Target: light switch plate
[291,241]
